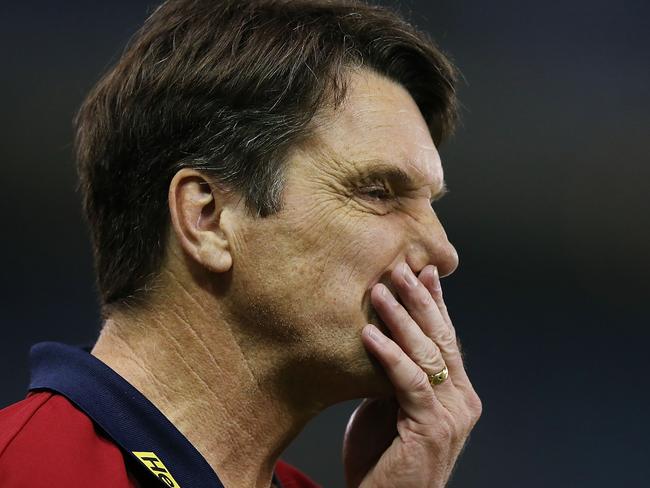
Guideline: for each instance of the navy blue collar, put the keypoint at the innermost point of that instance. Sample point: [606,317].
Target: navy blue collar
[125,414]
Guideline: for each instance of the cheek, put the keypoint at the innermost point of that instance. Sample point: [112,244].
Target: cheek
[355,258]
[328,252]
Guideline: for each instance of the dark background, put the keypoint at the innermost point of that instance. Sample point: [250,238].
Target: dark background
[549,179]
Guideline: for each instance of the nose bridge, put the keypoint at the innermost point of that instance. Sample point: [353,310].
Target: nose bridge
[430,245]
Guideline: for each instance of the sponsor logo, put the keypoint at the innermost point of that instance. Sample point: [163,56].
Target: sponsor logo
[156,466]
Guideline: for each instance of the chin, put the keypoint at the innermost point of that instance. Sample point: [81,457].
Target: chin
[375,384]
[346,369]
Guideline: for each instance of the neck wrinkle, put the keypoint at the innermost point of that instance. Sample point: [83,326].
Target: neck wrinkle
[198,374]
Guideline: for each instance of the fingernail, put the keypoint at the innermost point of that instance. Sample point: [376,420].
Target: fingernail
[386,295]
[375,335]
[436,279]
[408,275]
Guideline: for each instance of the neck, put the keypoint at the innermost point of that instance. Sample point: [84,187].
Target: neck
[225,392]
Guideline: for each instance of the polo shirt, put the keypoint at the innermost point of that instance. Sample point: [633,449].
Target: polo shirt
[83,425]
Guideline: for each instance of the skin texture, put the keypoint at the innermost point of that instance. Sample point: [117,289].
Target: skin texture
[257,325]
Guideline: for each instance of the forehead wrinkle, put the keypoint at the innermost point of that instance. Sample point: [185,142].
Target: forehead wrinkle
[385,120]
[435,183]
[340,165]
[427,170]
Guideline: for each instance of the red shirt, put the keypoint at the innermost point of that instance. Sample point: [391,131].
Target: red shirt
[82,425]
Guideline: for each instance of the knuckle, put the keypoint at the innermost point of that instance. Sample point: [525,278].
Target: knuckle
[419,381]
[448,337]
[447,344]
[394,355]
[452,331]
[475,405]
[428,354]
[424,299]
[429,357]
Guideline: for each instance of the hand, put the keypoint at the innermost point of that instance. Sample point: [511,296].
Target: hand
[413,438]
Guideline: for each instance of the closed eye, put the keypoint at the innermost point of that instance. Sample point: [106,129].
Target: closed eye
[377,193]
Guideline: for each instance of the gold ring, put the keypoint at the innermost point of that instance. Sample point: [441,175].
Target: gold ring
[438,378]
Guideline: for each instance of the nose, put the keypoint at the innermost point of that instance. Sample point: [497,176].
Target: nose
[431,246]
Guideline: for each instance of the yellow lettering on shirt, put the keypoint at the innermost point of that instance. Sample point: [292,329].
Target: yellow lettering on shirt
[156,466]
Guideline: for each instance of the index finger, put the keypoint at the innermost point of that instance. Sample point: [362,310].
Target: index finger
[412,388]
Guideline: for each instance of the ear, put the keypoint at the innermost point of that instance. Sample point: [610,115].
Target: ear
[196,207]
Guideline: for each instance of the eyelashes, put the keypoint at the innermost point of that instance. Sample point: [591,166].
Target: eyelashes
[381,192]
[377,190]
[377,193]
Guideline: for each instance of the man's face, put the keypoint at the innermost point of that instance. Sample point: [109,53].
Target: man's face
[355,206]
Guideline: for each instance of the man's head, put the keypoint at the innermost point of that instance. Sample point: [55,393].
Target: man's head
[285,148]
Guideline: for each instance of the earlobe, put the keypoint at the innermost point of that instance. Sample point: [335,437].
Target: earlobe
[196,208]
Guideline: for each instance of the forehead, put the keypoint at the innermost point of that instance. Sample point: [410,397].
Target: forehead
[379,126]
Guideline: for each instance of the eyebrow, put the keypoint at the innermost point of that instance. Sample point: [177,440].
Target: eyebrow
[398,177]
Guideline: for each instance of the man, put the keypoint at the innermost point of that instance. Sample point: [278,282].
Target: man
[258,178]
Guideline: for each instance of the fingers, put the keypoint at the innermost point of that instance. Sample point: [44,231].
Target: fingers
[431,281]
[408,334]
[424,305]
[423,339]
[412,389]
